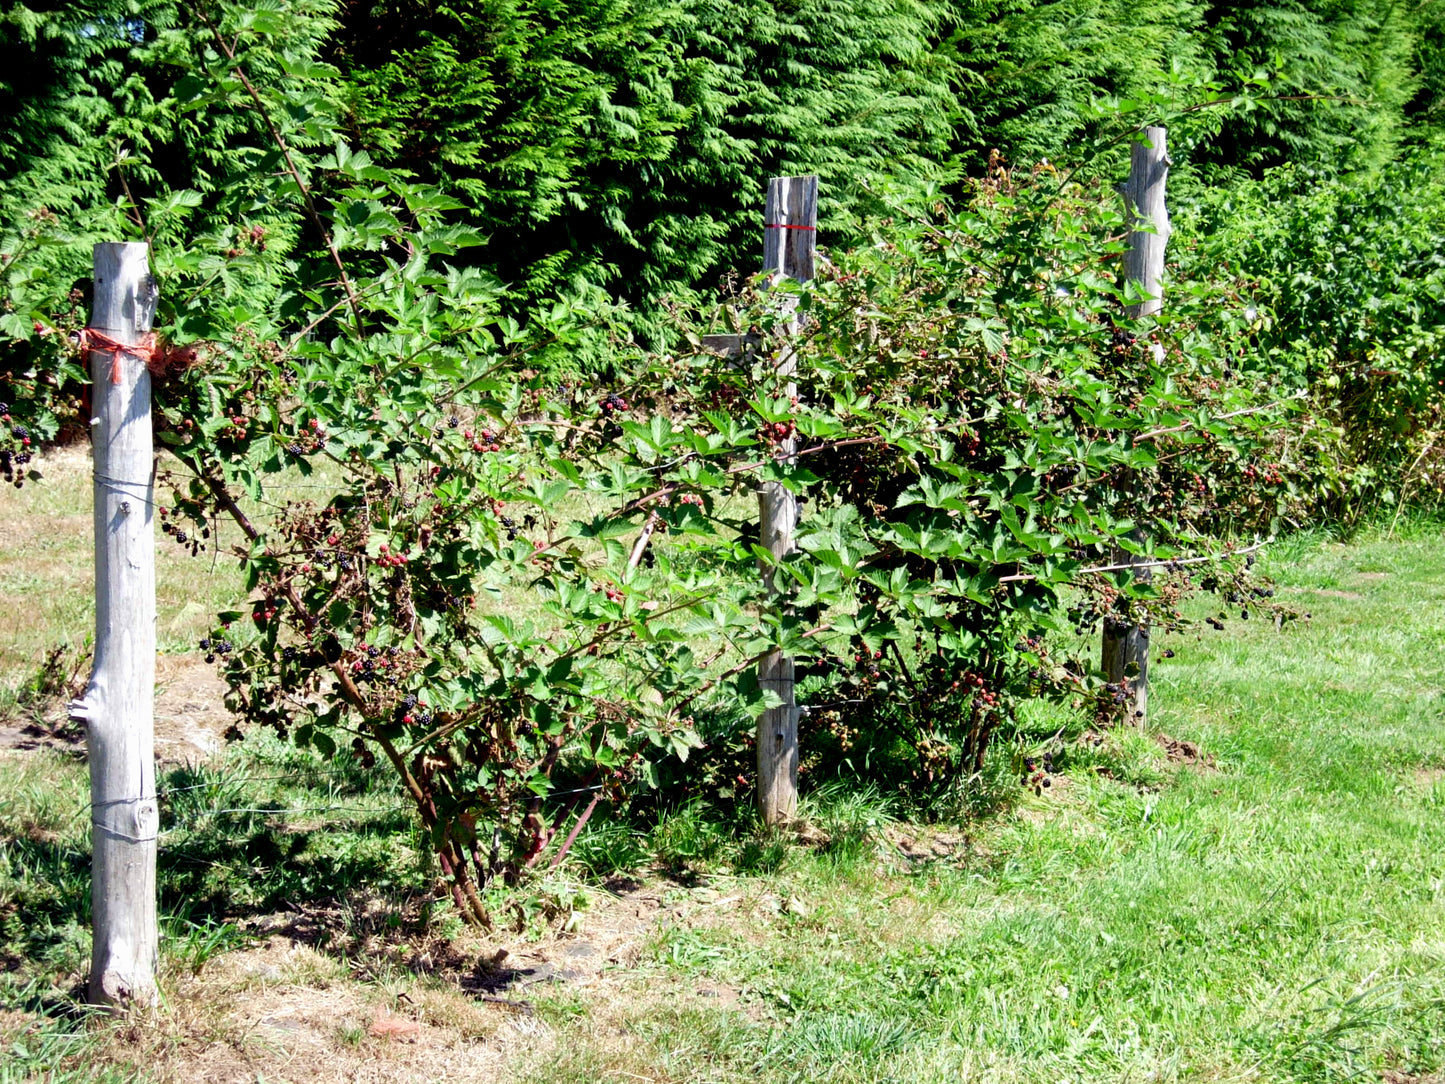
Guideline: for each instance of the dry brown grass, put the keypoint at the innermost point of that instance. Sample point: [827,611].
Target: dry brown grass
[471,1009]
[283,1011]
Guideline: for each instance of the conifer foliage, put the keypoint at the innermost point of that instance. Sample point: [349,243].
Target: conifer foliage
[619,143]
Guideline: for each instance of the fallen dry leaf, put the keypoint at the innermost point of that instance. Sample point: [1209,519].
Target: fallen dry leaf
[390,1026]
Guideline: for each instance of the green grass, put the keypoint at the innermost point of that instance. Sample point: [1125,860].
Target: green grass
[263,826]
[1281,918]
[47,568]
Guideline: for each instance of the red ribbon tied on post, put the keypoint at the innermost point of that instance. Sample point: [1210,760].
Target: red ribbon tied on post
[786,226]
[98,342]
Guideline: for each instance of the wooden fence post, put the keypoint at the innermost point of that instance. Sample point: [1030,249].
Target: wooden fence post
[790,241]
[117,707]
[1126,647]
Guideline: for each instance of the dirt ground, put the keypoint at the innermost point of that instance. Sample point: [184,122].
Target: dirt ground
[190,716]
[472,1009]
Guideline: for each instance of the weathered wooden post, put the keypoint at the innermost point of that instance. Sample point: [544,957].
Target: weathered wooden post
[117,707]
[1126,646]
[790,242]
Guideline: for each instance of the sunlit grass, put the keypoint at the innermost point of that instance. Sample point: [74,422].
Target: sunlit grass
[1273,913]
[1278,917]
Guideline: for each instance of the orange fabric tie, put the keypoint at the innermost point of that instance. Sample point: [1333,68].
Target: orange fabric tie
[101,343]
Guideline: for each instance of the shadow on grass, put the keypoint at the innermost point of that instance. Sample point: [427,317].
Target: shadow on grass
[201,878]
[240,839]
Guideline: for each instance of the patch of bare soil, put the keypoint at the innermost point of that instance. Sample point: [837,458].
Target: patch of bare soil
[14,1024]
[51,730]
[399,1010]
[506,966]
[1426,778]
[1394,1076]
[919,844]
[283,1012]
[190,716]
[1186,753]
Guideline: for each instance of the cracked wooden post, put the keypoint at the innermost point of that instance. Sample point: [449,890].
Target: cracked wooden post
[1126,647]
[117,707]
[790,239]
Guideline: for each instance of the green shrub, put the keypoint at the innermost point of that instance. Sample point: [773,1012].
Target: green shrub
[1345,300]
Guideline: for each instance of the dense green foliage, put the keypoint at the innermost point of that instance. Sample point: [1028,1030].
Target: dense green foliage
[621,144]
[389,239]
[1346,298]
[980,427]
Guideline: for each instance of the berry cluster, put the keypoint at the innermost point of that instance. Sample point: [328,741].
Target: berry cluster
[612,403]
[1269,474]
[311,439]
[983,695]
[724,396]
[171,519]
[255,236]
[485,441]
[215,646]
[775,433]
[386,559]
[1037,773]
[1117,692]
[374,666]
[16,455]
[413,711]
[866,662]
[842,733]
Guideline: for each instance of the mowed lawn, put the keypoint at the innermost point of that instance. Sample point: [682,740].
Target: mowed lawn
[1266,903]
[1278,916]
